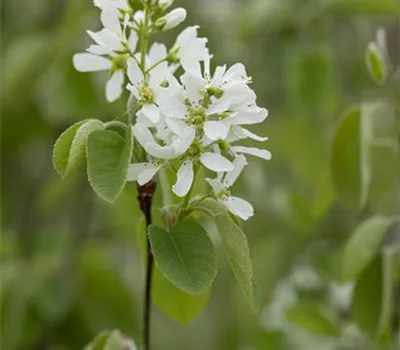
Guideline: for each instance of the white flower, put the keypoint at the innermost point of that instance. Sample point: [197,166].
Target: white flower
[187,107]
[109,53]
[118,4]
[145,88]
[195,154]
[221,186]
[172,19]
[174,148]
[189,49]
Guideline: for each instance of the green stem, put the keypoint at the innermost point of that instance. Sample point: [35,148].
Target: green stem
[145,197]
[144,39]
[156,65]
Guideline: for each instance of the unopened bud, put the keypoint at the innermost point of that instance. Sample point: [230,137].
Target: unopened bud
[171,19]
[216,92]
[164,4]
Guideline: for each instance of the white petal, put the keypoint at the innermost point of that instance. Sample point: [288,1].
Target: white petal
[236,72]
[216,80]
[171,105]
[135,169]
[146,175]
[114,86]
[216,130]
[106,38]
[99,50]
[240,93]
[110,20]
[151,112]
[215,184]
[157,53]
[216,162]
[239,163]
[158,75]
[254,116]
[135,74]
[219,106]
[134,90]
[132,41]
[183,142]
[240,133]
[163,152]
[261,153]
[187,35]
[86,62]
[196,50]
[175,125]
[184,180]
[194,84]
[142,134]
[238,207]
[191,65]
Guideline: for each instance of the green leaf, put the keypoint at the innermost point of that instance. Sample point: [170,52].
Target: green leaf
[310,80]
[114,342]
[107,340]
[62,147]
[367,298]
[175,303]
[185,256]
[363,246]
[380,163]
[210,206]
[237,250]
[70,147]
[376,65]
[108,157]
[309,317]
[99,342]
[345,159]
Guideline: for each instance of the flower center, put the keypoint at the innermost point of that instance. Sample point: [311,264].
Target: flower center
[197,117]
[119,62]
[194,151]
[224,193]
[146,94]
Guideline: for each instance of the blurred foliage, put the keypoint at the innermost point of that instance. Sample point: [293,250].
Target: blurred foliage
[70,264]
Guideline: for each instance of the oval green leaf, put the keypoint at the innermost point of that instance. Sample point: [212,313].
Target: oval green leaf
[367,298]
[375,62]
[69,149]
[172,301]
[363,246]
[62,148]
[108,156]
[345,160]
[185,256]
[238,252]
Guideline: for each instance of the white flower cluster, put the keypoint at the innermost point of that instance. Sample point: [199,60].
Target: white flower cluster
[185,121]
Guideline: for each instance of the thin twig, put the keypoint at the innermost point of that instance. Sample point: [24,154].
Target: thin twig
[145,198]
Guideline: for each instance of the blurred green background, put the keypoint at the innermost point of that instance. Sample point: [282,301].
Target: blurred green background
[70,263]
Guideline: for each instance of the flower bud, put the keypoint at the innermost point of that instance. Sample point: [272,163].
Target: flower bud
[164,4]
[171,19]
